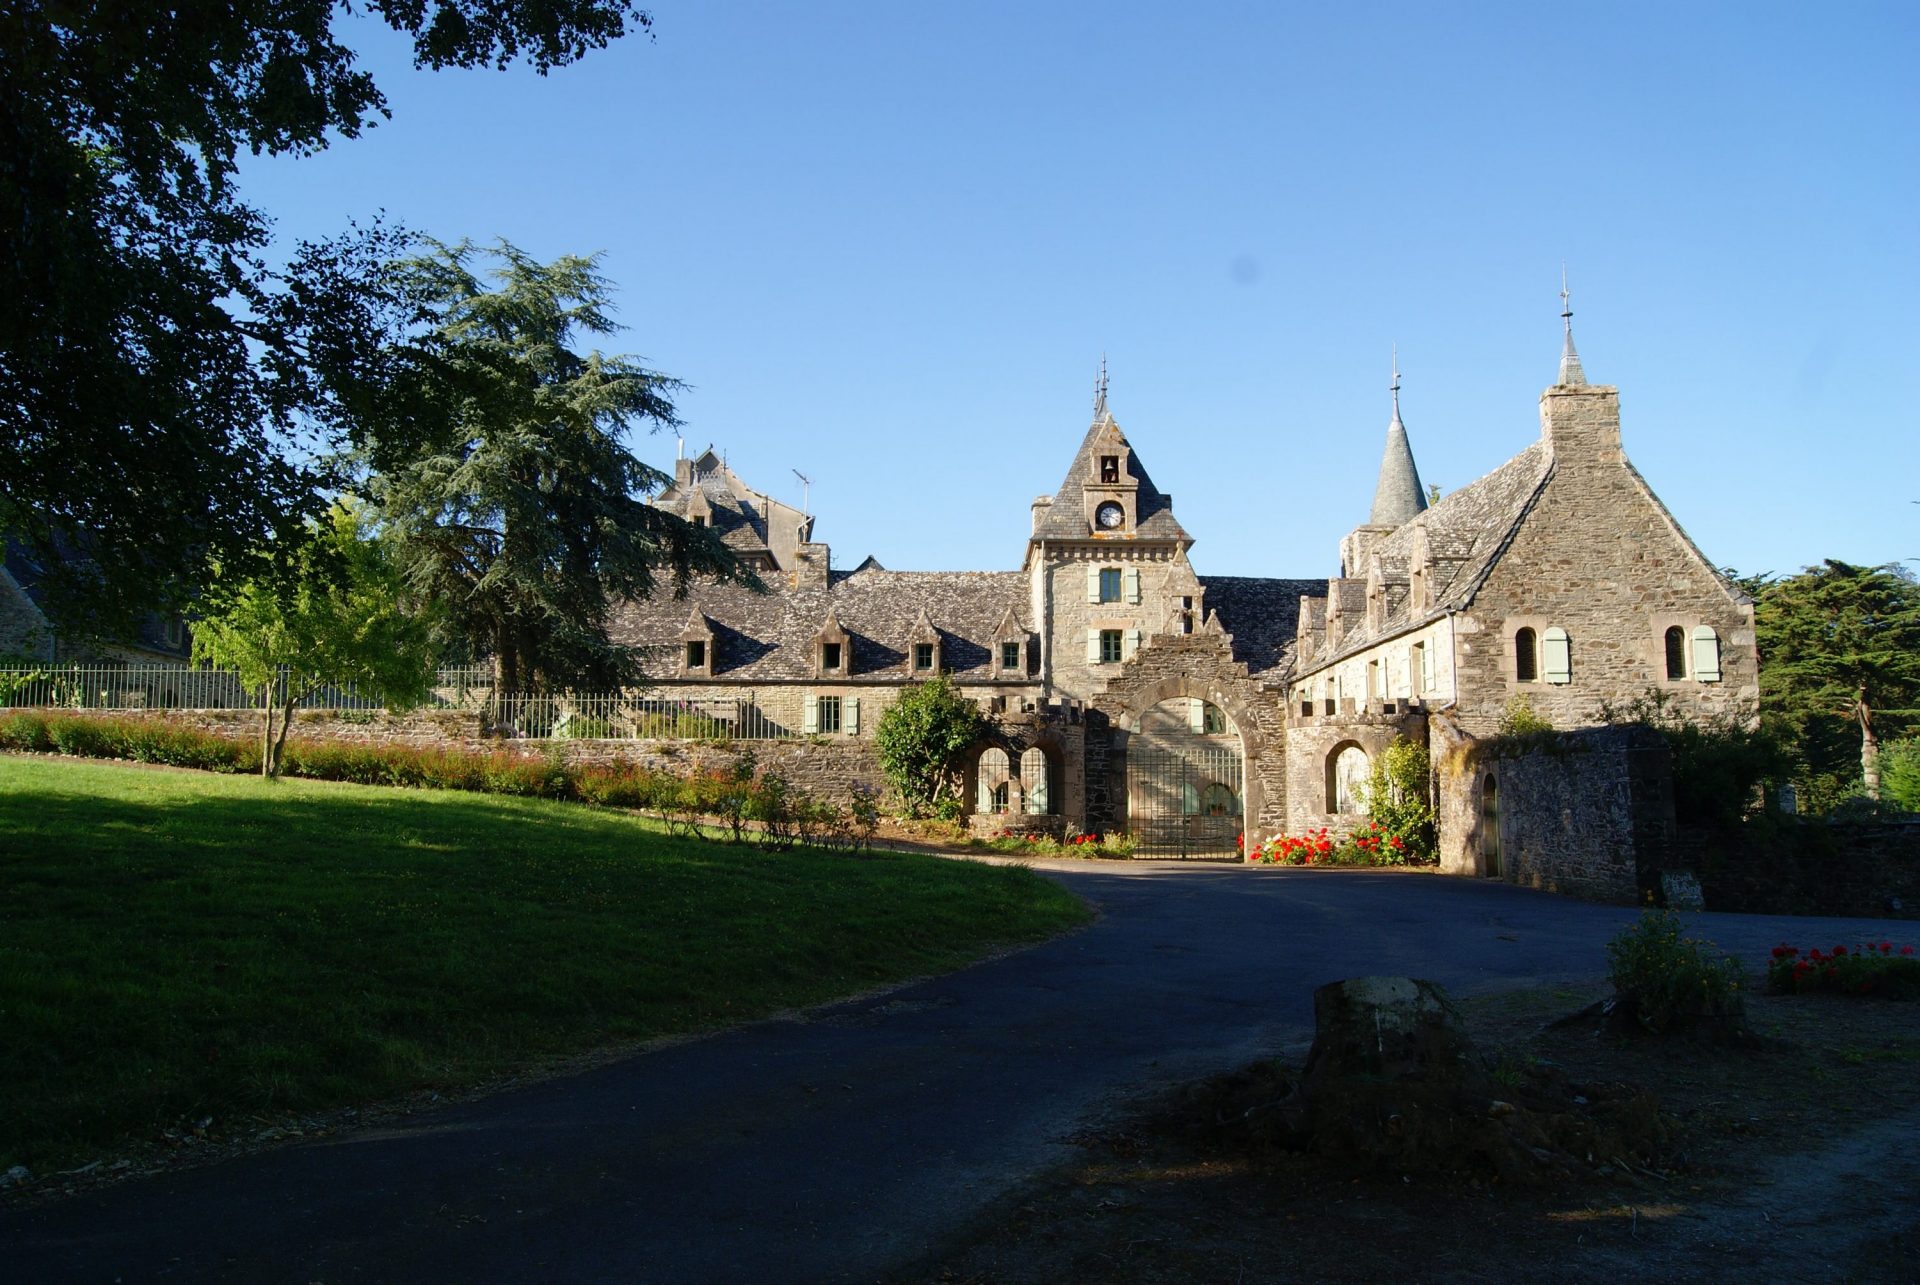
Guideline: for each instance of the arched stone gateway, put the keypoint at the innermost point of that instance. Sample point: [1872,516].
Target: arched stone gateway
[1188,767]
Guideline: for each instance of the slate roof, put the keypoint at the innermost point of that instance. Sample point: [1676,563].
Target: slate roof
[1465,533]
[769,637]
[739,513]
[1398,496]
[1263,616]
[1067,518]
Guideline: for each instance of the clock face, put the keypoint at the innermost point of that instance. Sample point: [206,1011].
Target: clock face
[1110,516]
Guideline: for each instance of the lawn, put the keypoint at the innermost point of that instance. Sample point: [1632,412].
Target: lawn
[176,946]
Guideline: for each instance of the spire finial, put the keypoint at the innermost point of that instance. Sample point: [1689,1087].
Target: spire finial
[1396,382]
[1571,375]
[1100,390]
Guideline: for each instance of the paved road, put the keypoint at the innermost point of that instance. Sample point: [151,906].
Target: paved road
[850,1141]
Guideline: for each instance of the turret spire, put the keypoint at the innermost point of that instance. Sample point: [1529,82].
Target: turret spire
[1571,375]
[1399,495]
[1100,390]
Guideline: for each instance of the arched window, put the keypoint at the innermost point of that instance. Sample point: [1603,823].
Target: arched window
[1219,800]
[1033,781]
[1526,656]
[1676,643]
[1347,769]
[1001,793]
[993,773]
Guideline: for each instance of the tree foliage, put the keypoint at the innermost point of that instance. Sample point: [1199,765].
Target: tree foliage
[334,615]
[1398,796]
[158,381]
[1840,664]
[921,737]
[499,463]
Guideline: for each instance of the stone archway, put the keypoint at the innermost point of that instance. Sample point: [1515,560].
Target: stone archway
[1144,764]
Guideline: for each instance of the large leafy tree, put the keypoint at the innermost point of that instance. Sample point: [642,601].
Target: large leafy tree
[1840,661]
[499,459]
[332,612]
[157,379]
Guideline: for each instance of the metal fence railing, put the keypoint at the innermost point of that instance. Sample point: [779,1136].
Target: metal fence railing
[770,715]
[752,715]
[128,687]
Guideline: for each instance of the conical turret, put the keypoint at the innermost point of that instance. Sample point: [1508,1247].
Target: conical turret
[1399,496]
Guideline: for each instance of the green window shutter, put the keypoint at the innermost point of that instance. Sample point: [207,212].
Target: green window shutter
[1426,669]
[1093,584]
[1133,584]
[1093,646]
[811,726]
[852,716]
[1706,654]
[1556,656]
[1196,715]
[1133,644]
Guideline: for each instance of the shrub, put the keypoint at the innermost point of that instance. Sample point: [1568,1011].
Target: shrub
[1519,719]
[1872,969]
[920,738]
[1720,766]
[1666,982]
[1399,806]
[25,733]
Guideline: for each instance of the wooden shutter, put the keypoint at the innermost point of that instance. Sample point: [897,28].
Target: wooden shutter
[1133,641]
[1093,585]
[811,724]
[1133,584]
[1556,656]
[1093,646]
[1196,714]
[1706,654]
[851,714]
[1426,669]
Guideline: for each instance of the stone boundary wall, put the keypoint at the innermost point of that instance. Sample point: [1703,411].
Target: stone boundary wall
[1813,868]
[827,768]
[1588,814]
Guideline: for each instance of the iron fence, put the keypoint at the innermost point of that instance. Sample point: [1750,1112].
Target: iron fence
[775,714]
[754,715]
[130,687]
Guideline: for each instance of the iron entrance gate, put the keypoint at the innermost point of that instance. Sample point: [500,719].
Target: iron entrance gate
[1184,803]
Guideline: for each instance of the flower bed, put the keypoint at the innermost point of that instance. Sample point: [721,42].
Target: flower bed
[1031,843]
[1372,845]
[1882,969]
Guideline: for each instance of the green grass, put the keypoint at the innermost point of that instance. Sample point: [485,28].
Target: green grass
[176,945]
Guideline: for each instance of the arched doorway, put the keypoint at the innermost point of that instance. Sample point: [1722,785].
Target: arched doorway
[1185,781]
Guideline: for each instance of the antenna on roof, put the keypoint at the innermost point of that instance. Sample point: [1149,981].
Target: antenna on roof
[806,494]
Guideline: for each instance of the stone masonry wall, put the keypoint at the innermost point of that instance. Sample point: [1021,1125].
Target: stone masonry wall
[1599,557]
[1587,814]
[1313,740]
[828,767]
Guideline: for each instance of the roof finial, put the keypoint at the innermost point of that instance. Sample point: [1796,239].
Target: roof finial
[1100,390]
[1396,383]
[1571,375]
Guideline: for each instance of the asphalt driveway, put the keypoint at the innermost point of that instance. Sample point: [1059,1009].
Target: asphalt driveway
[853,1139]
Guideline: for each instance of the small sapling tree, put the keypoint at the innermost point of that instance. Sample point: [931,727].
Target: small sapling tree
[334,615]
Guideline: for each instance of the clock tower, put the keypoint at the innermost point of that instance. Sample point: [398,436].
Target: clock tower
[1106,564]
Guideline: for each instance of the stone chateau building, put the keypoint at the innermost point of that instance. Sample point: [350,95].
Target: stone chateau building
[1126,689]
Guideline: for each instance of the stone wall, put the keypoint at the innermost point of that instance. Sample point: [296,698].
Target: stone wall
[828,767]
[1812,868]
[1588,814]
[1166,581]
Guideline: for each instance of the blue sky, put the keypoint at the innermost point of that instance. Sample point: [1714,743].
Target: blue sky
[887,245]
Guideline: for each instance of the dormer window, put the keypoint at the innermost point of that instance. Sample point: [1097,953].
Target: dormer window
[922,657]
[700,519]
[830,656]
[1110,469]
[696,653]
[1010,655]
